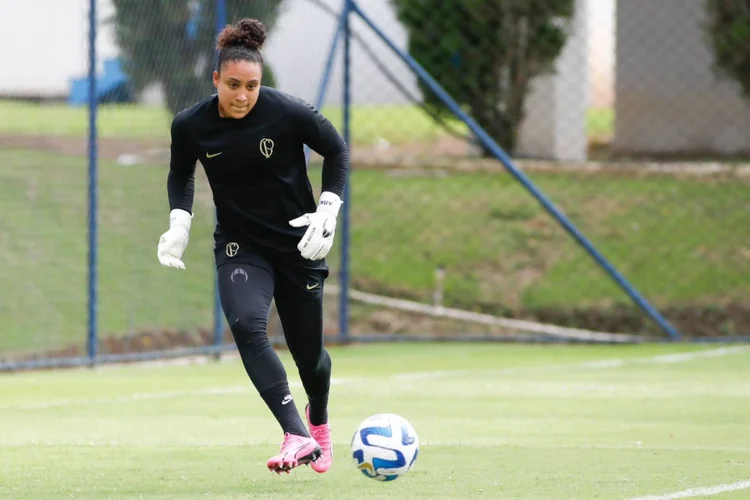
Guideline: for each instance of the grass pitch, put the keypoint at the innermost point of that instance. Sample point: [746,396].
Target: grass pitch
[495,422]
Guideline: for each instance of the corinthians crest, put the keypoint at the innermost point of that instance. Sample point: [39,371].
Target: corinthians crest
[266,147]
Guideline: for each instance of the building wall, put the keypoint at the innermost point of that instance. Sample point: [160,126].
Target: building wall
[601,58]
[555,123]
[668,98]
[42,66]
[297,50]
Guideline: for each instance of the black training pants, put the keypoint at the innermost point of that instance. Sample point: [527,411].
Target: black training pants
[248,281]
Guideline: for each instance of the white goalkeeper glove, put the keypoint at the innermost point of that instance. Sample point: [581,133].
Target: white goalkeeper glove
[173,243]
[318,239]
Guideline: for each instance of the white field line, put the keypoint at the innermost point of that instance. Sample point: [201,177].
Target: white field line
[594,365]
[699,492]
[429,443]
[603,364]
[129,397]
[233,389]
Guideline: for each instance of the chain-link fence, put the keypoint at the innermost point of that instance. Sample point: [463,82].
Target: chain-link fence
[637,138]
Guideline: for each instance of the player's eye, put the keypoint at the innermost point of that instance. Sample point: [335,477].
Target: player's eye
[232,85]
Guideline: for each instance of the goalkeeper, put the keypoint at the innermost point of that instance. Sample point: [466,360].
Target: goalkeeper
[271,238]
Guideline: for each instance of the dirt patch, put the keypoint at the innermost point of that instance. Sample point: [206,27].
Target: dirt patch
[692,320]
[732,319]
[446,153]
[109,148]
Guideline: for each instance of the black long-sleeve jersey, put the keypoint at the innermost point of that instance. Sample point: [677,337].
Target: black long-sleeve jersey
[256,166]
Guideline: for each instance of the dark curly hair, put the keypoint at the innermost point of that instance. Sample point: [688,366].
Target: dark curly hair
[241,42]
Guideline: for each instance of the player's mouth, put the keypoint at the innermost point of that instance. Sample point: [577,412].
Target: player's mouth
[238,108]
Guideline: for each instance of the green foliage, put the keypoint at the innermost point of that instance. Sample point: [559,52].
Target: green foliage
[485,53]
[172,42]
[728,29]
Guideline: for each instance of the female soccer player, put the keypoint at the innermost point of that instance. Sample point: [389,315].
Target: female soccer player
[249,139]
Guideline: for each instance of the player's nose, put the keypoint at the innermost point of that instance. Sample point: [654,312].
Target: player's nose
[241,98]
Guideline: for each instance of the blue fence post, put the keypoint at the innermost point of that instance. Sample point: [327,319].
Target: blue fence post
[507,162]
[92,346]
[221,22]
[328,69]
[344,271]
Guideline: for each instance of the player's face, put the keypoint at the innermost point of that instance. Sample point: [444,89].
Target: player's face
[237,86]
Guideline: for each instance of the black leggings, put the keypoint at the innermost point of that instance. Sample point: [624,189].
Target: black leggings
[246,289]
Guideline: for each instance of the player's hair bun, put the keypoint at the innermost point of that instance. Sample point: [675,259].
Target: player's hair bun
[249,33]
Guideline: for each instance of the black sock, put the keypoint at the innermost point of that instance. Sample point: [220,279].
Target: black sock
[318,409]
[317,384]
[280,402]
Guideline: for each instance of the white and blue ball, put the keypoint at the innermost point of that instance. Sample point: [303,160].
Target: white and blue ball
[385,446]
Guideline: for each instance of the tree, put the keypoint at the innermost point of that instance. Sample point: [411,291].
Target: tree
[728,30]
[485,53]
[172,42]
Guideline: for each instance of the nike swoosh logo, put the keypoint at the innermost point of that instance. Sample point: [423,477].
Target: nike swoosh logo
[213,155]
[287,400]
[313,286]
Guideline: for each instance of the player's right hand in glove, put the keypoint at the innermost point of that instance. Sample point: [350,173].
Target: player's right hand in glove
[173,243]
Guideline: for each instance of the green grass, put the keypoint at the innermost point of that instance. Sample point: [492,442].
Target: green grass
[396,124]
[61,119]
[600,123]
[677,241]
[494,421]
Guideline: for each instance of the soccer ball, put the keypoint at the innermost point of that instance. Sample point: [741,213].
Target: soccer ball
[385,446]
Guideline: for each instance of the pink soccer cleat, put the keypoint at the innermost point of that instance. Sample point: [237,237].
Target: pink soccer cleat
[321,434]
[295,451]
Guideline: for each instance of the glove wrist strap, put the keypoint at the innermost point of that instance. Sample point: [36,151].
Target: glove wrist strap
[179,217]
[329,203]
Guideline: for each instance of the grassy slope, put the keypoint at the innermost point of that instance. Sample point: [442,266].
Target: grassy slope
[675,240]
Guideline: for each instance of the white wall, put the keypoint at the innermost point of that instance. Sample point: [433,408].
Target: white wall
[601,45]
[43,65]
[299,45]
[297,50]
[555,124]
[668,98]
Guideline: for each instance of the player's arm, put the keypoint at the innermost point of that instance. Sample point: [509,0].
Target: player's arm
[319,133]
[181,192]
[323,138]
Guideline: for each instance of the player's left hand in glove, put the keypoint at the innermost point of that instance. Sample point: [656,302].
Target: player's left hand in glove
[173,243]
[318,239]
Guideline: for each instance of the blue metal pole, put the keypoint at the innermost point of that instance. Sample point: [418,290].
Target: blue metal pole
[221,22]
[320,99]
[497,151]
[221,15]
[344,272]
[328,69]
[92,191]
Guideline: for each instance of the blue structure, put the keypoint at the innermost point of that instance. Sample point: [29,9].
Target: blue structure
[111,87]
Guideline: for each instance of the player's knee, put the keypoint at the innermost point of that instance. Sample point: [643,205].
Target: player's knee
[250,329]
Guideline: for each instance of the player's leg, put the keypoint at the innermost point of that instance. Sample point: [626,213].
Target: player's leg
[246,291]
[299,301]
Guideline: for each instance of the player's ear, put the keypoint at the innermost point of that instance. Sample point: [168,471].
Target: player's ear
[216,79]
